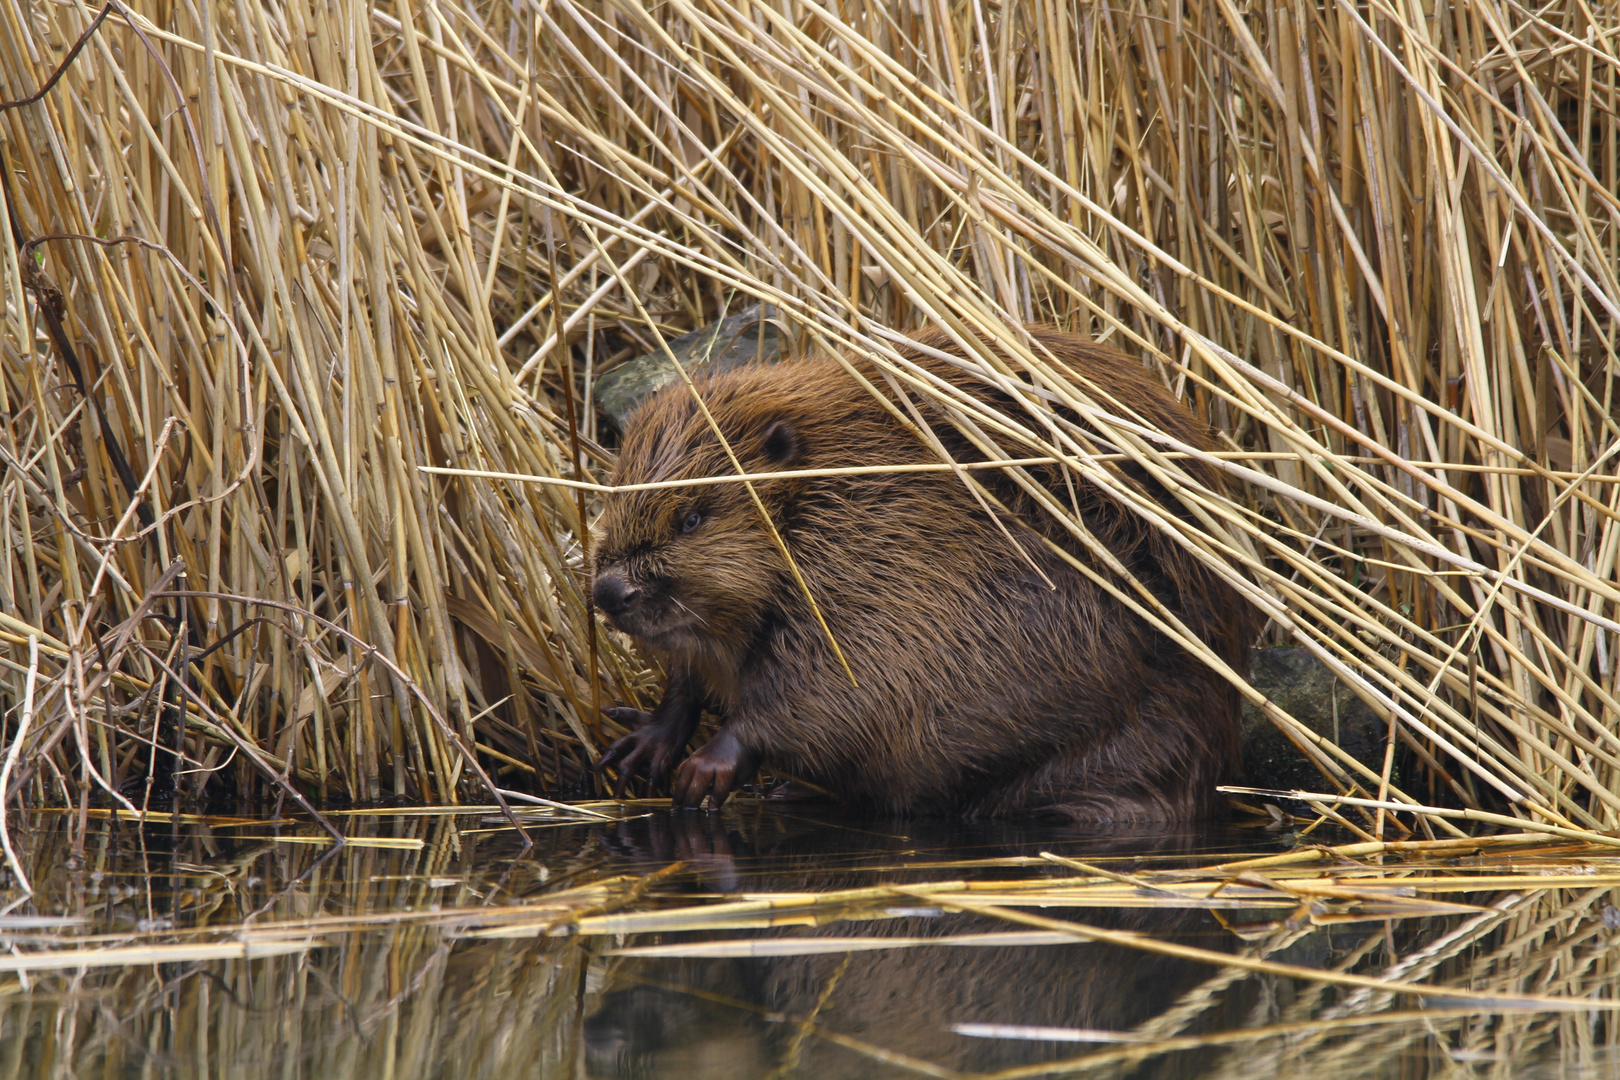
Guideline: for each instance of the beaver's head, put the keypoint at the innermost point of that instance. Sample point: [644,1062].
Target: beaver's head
[691,570]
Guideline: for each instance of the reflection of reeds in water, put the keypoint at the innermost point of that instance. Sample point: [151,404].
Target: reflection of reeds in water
[1538,943]
[444,959]
[376,993]
[406,1002]
[281,261]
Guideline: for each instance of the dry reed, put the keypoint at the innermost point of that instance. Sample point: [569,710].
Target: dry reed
[277,266]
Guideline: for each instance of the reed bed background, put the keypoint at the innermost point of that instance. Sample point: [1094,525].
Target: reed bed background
[274,262]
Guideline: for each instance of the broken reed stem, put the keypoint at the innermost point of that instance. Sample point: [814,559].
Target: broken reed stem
[1376,249]
[24,718]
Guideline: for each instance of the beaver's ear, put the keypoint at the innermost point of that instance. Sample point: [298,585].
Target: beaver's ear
[780,444]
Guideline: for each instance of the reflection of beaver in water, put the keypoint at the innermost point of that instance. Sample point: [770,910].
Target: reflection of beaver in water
[722,1018]
[741,1018]
[985,687]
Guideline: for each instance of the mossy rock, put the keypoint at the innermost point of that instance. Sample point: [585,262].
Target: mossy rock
[749,335]
[1302,685]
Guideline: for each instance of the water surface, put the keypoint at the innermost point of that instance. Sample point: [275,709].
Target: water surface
[435,946]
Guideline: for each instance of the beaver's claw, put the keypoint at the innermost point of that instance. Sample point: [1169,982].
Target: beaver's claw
[720,766]
[653,747]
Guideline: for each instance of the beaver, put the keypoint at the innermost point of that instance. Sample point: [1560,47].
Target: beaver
[991,677]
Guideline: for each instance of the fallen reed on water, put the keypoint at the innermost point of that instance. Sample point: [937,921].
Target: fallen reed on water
[274,266]
[428,950]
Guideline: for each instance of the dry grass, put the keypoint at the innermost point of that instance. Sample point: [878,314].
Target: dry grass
[306,254]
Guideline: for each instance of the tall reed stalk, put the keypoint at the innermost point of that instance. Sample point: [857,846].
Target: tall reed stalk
[304,253]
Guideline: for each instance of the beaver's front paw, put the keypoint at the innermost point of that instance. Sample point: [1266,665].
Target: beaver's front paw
[653,748]
[720,766]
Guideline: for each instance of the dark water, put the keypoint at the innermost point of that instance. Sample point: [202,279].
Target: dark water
[454,954]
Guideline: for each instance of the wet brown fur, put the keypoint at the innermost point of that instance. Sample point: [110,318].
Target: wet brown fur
[982,690]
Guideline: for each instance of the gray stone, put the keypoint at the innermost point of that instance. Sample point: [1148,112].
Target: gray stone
[1299,683]
[750,334]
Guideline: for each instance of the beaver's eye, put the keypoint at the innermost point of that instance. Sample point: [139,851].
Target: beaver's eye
[693,520]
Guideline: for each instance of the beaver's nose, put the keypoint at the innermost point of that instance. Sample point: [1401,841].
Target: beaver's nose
[614,594]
